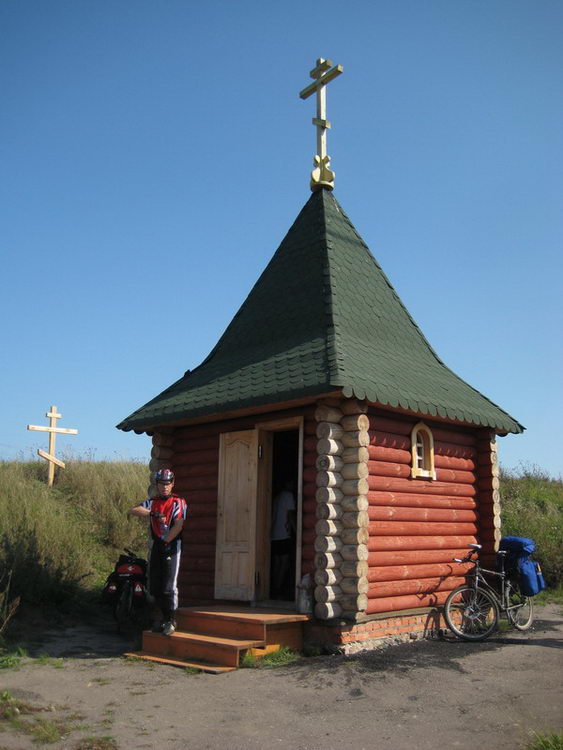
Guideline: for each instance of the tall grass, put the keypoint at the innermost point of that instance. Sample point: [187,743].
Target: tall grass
[532,506]
[59,541]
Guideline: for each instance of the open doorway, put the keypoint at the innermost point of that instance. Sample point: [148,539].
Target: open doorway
[283,525]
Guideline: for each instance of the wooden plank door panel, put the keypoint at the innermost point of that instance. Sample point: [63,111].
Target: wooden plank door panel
[235,561]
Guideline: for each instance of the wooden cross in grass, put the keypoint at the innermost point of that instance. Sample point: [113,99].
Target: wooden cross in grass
[52,430]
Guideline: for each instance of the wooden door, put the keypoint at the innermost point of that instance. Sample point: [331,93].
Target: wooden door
[235,559]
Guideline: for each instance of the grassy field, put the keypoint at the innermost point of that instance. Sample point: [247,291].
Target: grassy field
[59,544]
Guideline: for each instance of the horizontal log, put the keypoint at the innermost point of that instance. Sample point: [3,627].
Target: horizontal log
[390,455]
[452,450]
[352,520]
[381,513]
[454,464]
[330,447]
[389,440]
[329,431]
[328,511]
[309,489]
[199,521]
[328,494]
[161,451]
[198,483]
[310,474]
[355,536]
[193,529]
[328,593]
[355,486]
[387,469]
[197,563]
[384,543]
[396,426]
[327,462]
[354,603]
[407,572]
[159,463]
[196,470]
[308,538]
[325,527]
[327,610]
[197,550]
[208,456]
[196,578]
[354,503]
[309,507]
[309,522]
[194,593]
[356,455]
[196,444]
[327,560]
[423,587]
[354,422]
[355,439]
[310,427]
[355,471]
[202,497]
[420,487]
[403,499]
[451,436]
[163,438]
[329,479]
[354,552]
[487,460]
[327,577]
[461,477]
[310,444]
[354,568]
[415,528]
[353,406]
[325,413]
[377,560]
[399,603]
[354,585]
[327,544]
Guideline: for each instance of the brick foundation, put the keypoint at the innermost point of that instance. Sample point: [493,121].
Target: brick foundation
[373,632]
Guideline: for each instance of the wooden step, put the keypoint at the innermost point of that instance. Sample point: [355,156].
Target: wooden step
[200,665]
[210,648]
[215,638]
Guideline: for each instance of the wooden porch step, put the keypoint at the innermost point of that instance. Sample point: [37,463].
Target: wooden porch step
[210,648]
[214,639]
[202,666]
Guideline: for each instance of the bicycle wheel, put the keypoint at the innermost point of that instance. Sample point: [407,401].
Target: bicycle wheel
[472,614]
[123,606]
[520,609]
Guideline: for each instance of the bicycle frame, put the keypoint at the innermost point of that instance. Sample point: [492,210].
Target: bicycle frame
[479,581]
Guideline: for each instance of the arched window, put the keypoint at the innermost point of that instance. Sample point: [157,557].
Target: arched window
[422,449]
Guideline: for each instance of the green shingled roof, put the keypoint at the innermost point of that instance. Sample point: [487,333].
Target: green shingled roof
[321,317]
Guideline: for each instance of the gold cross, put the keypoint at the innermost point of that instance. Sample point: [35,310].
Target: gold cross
[323,73]
[52,430]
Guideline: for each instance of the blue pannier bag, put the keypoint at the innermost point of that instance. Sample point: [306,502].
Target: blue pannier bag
[518,561]
[531,578]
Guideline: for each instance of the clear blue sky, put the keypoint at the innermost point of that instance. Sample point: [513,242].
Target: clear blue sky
[155,153]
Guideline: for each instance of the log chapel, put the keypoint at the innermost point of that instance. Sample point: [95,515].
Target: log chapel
[324,386]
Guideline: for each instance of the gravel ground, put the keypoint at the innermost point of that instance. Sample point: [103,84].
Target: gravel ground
[425,694]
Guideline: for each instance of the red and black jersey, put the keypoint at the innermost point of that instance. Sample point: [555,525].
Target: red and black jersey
[172,508]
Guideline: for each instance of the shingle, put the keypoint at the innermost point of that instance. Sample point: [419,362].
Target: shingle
[322,316]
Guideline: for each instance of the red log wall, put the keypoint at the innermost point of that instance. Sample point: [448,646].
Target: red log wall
[417,526]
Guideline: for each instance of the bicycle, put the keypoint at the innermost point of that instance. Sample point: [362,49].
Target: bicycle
[472,611]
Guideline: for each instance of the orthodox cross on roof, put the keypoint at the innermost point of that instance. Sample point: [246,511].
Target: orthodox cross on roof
[321,176]
[52,430]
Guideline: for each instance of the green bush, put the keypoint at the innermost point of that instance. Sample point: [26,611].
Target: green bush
[532,506]
[62,540]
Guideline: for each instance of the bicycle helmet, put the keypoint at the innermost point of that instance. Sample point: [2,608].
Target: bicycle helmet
[164,475]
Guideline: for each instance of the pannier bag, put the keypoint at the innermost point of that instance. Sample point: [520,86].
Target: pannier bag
[519,562]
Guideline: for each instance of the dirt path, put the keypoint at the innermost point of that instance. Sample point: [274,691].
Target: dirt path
[427,694]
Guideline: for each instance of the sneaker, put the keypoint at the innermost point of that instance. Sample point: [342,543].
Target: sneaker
[169,627]
[157,627]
